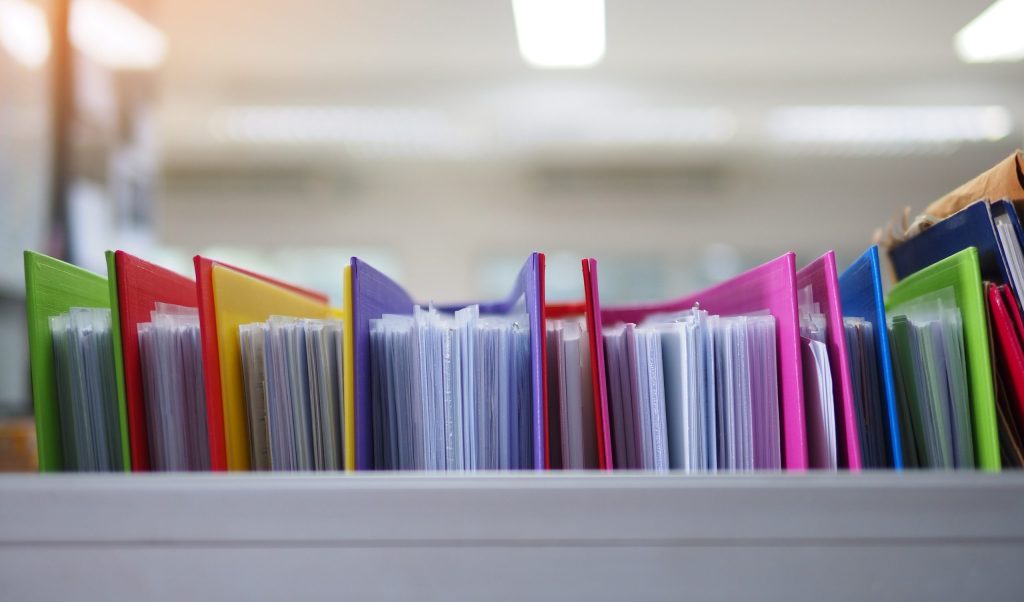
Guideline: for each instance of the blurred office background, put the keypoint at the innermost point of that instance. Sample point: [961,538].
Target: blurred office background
[677,141]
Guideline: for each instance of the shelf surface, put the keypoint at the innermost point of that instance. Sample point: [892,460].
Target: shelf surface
[927,535]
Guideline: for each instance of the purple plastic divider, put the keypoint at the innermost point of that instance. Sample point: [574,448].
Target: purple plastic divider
[374,294]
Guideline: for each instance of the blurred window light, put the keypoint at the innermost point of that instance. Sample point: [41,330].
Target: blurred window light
[24,32]
[997,34]
[881,126]
[114,36]
[558,34]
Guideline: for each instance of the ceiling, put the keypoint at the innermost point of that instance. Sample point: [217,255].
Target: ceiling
[460,56]
[540,151]
[332,42]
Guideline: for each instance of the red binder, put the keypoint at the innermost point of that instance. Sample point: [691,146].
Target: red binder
[591,310]
[1008,327]
[597,373]
[140,286]
[211,358]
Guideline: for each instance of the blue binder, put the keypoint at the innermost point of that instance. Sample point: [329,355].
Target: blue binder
[860,292]
[970,227]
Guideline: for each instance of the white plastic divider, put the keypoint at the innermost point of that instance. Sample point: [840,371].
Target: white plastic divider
[917,535]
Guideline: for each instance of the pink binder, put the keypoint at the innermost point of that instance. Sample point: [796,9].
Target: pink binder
[771,287]
[822,277]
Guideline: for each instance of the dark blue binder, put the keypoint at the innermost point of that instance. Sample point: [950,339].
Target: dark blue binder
[970,227]
[860,292]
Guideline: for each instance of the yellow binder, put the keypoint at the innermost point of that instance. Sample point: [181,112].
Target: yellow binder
[241,299]
[349,369]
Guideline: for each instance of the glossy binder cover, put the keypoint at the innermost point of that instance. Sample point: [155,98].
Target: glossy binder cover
[962,272]
[374,294]
[1007,334]
[821,275]
[771,287]
[208,329]
[53,287]
[592,305]
[136,286]
[970,227]
[860,291]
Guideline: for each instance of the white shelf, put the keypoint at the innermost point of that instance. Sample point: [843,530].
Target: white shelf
[512,537]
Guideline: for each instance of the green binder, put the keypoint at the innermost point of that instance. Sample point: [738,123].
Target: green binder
[53,287]
[962,273]
[115,329]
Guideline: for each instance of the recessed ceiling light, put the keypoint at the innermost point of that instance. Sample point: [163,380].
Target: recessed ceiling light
[559,34]
[114,36]
[24,33]
[996,35]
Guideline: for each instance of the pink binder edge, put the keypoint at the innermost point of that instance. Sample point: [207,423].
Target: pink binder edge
[823,277]
[770,286]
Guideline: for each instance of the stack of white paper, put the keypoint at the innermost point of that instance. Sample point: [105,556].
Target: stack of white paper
[571,397]
[451,392]
[717,379]
[1014,255]
[292,372]
[172,380]
[867,399]
[929,333]
[83,355]
[819,397]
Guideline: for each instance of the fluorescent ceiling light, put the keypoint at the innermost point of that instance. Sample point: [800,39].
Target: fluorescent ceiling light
[645,126]
[114,36]
[997,34]
[889,125]
[24,32]
[560,33]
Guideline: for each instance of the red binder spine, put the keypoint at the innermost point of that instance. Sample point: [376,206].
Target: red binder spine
[593,312]
[138,438]
[211,364]
[1007,334]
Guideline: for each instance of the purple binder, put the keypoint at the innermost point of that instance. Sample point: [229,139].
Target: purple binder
[374,294]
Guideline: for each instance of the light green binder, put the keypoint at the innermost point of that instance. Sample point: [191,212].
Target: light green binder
[53,287]
[115,329]
[962,273]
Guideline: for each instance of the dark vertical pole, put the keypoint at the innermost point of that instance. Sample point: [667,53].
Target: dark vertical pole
[63,104]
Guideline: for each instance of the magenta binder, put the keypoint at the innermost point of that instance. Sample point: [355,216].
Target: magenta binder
[771,287]
[821,275]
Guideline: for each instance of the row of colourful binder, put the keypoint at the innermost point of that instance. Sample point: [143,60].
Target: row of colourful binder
[149,370]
